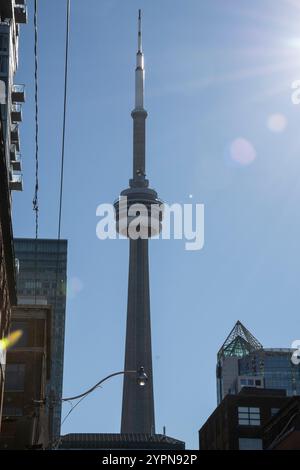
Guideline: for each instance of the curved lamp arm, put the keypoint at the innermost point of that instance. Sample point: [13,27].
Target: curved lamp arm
[142,378]
[98,384]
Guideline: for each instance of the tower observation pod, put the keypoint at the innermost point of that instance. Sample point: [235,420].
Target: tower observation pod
[138,213]
[139,206]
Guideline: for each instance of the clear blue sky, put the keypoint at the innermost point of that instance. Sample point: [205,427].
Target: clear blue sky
[216,71]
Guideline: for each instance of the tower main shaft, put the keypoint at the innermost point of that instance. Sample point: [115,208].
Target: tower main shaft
[138,402]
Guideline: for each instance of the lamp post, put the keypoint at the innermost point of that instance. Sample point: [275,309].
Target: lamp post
[141,378]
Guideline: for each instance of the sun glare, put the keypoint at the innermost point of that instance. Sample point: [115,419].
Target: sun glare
[10,340]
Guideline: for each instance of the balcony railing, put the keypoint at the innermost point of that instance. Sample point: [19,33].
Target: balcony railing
[20,11]
[16,183]
[18,93]
[16,162]
[13,152]
[16,113]
[18,6]
[4,22]
[14,136]
[6,8]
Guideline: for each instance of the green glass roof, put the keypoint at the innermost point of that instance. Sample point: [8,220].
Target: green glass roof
[239,342]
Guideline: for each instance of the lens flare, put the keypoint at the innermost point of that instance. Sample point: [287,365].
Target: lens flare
[242,152]
[10,340]
[75,286]
[277,122]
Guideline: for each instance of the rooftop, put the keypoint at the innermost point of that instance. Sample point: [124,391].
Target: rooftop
[119,441]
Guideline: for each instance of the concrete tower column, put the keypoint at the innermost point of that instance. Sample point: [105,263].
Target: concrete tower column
[138,402]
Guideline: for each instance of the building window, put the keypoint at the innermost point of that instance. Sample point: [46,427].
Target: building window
[32,284]
[250,382]
[250,444]
[249,416]
[14,377]
[3,43]
[3,64]
[274,411]
[12,411]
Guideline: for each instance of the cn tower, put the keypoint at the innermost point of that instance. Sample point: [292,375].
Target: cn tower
[138,402]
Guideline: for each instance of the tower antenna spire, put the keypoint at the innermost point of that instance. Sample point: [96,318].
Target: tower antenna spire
[140,32]
[139,71]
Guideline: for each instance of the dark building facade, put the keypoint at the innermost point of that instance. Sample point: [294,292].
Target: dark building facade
[10,179]
[26,412]
[42,279]
[282,432]
[12,14]
[7,264]
[238,422]
[243,362]
[119,442]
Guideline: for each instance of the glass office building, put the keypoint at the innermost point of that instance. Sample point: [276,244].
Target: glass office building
[276,368]
[42,279]
[244,362]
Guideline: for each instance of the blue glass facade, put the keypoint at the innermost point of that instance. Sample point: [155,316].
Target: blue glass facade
[275,366]
[42,278]
[244,362]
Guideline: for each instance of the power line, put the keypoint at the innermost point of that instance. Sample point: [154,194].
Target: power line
[63,142]
[63,145]
[64,118]
[36,190]
[67,41]
[35,199]
[73,408]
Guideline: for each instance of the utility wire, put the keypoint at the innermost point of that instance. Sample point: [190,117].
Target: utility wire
[64,118]
[67,41]
[36,96]
[35,199]
[73,407]
[63,144]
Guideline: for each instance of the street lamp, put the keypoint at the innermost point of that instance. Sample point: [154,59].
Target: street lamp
[142,377]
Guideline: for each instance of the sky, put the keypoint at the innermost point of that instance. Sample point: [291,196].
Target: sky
[221,128]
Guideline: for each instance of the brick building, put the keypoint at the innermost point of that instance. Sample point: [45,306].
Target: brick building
[12,14]
[7,263]
[26,411]
[282,432]
[238,422]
